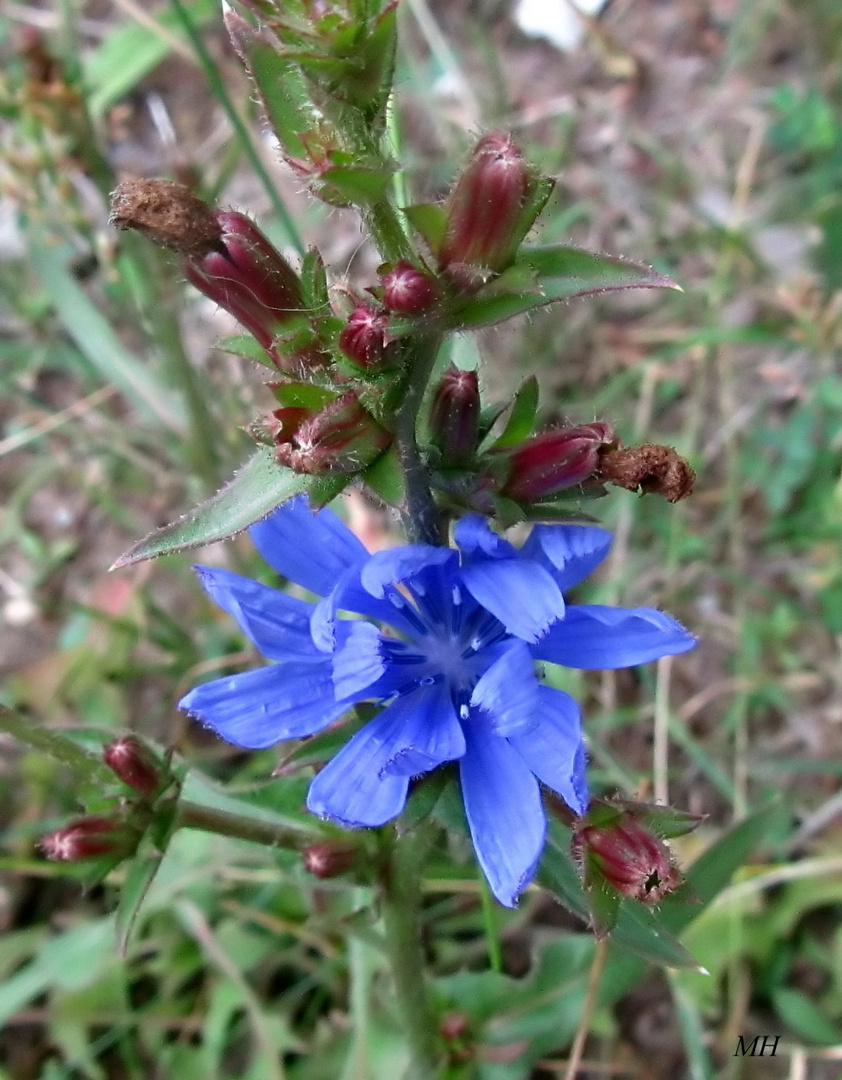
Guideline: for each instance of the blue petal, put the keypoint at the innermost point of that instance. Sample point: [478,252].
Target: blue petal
[259,708]
[399,564]
[594,636]
[310,549]
[569,552]
[359,662]
[508,691]
[349,595]
[475,539]
[430,732]
[520,593]
[353,788]
[504,811]
[553,749]
[279,625]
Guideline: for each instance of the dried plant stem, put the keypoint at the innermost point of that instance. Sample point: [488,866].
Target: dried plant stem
[577,1049]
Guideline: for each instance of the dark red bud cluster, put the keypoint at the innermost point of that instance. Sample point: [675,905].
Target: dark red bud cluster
[631,859]
[619,845]
[340,437]
[227,258]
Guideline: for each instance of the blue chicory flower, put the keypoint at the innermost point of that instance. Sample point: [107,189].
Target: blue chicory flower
[447,644]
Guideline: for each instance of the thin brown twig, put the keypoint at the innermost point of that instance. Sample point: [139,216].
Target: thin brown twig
[576,1051]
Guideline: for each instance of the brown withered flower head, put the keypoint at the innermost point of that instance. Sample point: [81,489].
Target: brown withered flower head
[650,468]
[168,214]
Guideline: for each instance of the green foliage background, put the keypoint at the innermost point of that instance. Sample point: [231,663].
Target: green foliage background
[705,139]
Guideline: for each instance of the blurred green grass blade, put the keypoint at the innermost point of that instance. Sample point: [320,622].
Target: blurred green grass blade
[804,1017]
[699,1064]
[221,94]
[259,487]
[133,50]
[95,338]
[72,960]
[713,870]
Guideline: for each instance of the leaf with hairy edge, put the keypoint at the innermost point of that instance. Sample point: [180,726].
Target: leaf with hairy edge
[280,86]
[543,275]
[429,221]
[521,419]
[569,271]
[260,487]
[86,765]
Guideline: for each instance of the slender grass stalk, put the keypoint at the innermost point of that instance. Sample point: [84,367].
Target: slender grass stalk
[222,96]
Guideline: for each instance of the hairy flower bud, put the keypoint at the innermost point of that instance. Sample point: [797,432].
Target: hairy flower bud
[622,852]
[363,338]
[250,278]
[135,765]
[486,218]
[227,258]
[341,437]
[90,838]
[454,417]
[553,461]
[408,290]
[331,858]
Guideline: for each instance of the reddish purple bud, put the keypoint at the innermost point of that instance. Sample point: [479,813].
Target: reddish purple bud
[250,278]
[227,258]
[408,289]
[341,437]
[626,855]
[455,1031]
[363,339]
[553,461]
[330,859]
[135,765]
[90,838]
[454,417]
[282,424]
[485,219]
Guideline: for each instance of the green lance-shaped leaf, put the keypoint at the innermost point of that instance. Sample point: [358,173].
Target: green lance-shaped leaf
[279,82]
[86,765]
[521,420]
[354,184]
[260,487]
[143,868]
[542,275]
